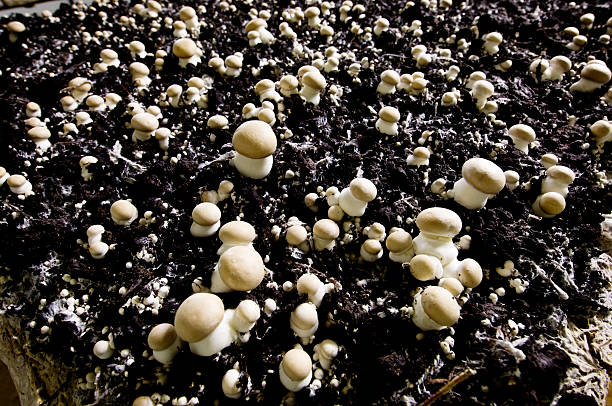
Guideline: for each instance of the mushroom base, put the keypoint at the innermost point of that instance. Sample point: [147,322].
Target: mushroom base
[468,196]
[293,386]
[221,337]
[421,319]
[198,230]
[166,356]
[351,205]
[253,168]
[443,249]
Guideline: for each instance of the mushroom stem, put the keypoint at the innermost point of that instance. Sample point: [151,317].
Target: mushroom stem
[254,168]
[166,355]
[220,338]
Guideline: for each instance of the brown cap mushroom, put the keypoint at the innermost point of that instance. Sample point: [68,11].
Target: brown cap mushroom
[398,240]
[439,221]
[469,273]
[144,122]
[425,267]
[123,212]
[440,305]
[326,229]
[184,48]
[254,139]
[296,364]
[483,175]
[161,336]
[241,268]
[363,189]
[206,214]
[198,316]
[390,114]
[296,235]
[314,79]
[237,232]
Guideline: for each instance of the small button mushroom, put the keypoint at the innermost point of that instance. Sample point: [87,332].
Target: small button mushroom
[4,175]
[452,285]
[324,233]
[79,88]
[380,25]
[549,160]
[593,76]
[217,64]
[559,65]
[19,185]
[388,118]
[417,86]
[94,234]
[34,122]
[33,110]
[225,189]
[452,73]
[311,285]
[420,55]
[98,250]
[123,212]
[449,99]
[522,135]
[15,28]
[259,25]
[40,136]
[164,342]
[602,131]
[95,103]
[512,179]
[143,401]
[230,384]
[189,16]
[254,142]
[245,316]
[399,244]
[111,100]
[206,220]
[267,116]
[162,135]
[435,308]
[375,231]
[109,57]
[491,42]
[481,180]
[389,79]
[144,125]
[304,322]
[578,42]
[331,65]
[217,122]
[473,78]
[265,89]
[549,204]
[240,268]
[312,14]
[481,91]
[557,179]
[199,320]
[254,38]
[236,233]
[103,349]
[437,227]
[354,199]
[173,93]
[469,273]
[313,84]
[83,118]
[426,267]
[325,352]
[180,29]
[297,236]
[233,65]
[286,31]
[587,21]
[295,370]
[140,75]
[137,49]
[371,250]
[187,51]
[288,85]
[420,156]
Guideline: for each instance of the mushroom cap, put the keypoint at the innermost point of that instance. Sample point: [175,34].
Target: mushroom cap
[305,316]
[523,132]
[241,268]
[95,230]
[390,76]
[16,180]
[254,139]
[494,37]
[233,61]
[206,214]
[561,173]
[439,221]
[484,175]
[174,90]
[601,128]
[108,54]
[552,203]
[32,106]
[80,82]
[248,310]
[596,72]
[398,240]
[113,97]
[15,26]
[452,285]
[217,121]
[88,160]
[2,171]
[421,153]
[308,283]
[161,336]
[388,113]
[296,364]
[326,229]
[470,273]
[94,101]
[315,80]
[143,401]
[196,82]
[329,348]
[139,68]
[255,24]
[483,88]
[312,12]
[440,305]
[263,86]
[425,267]
[122,210]
[372,246]
[561,61]
[144,122]
[550,159]
[237,232]
[184,48]
[305,69]
[363,189]
[187,13]
[198,316]
[34,122]
[39,133]
[136,46]
[288,82]
[296,234]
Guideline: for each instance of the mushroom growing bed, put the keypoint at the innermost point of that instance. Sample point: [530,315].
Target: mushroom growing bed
[123,174]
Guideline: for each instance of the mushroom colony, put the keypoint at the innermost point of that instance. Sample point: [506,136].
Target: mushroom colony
[308,202]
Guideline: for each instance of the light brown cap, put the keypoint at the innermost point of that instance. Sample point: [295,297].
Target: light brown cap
[67,100]
[494,37]
[198,316]
[113,98]
[601,128]
[390,76]
[161,336]
[34,122]
[562,61]
[388,113]
[288,82]
[523,132]
[39,133]
[452,285]
[266,115]
[80,82]
[237,232]
[305,316]
[122,210]
[254,139]
[94,101]
[15,26]
[425,267]
[398,240]
[596,72]
[206,214]
[144,122]
[263,86]
[248,310]
[312,12]
[196,82]
[305,69]
[483,88]
[470,273]
[174,90]
[233,61]
[252,35]
[440,305]
[108,54]
[187,13]
[154,5]
[296,364]
[16,181]
[421,153]
[363,189]
[372,246]
[552,203]
[215,62]
[326,229]
[241,268]
[139,68]
[255,24]
[143,401]
[308,283]
[136,46]
[549,159]
[296,235]
[439,221]
[561,173]
[217,121]
[2,171]
[315,80]
[32,106]
[184,48]
[484,175]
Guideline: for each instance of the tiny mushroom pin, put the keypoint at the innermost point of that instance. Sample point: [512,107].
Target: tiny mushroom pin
[324,233]
[388,118]
[304,322]
[295,370]
[435,308]
[206,220]
[164,342]
[254,142]
[522,135]
[469,273]
[354,199]
[240,268]
[481,179]
[492,41]
[15,28]
[123,212]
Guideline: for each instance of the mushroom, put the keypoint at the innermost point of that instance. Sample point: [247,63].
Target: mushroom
[19,185]
[559,65]
[287,31]
[230,384]
[69,103]
[288,85]
[187,51]
[399,244]
[380,25]
[174,95]
[313,84]
[164,342]
[491,42]
[111,100]
[98,250]
[40,136]
[190,18]
[593,76]
[481,180]
[137,49]
[144,125]
[426,267]
[143,401]
[94,234]
[180,30]
[295,370]
[83,118]
[140,75]
[354,199]
[163,135]
[95,103]
[473,78]
[201,320]
[312,14]
[33,110]
[245,316]
[217,122]
[304,322]
[15,28]
[481,91]
[265,89]
[254,142]
[103,349]
[602,131]
[311,285]
[371,250]
[324,233]
[452,285]
[512,179]
[109,57]
[123,212]
[236,233]
[259,26]
[206,220]
[240,268]
[388,81]
[435,308]
[420,55]
[79,88]
[233,65]
[297,236]
[4,175]
[375,231]
[548,160]
[549,204]
[420,156]
[557,179]
[325,352]
[217,64]
[469,273]
[387,120]
[522,135]
[437,227]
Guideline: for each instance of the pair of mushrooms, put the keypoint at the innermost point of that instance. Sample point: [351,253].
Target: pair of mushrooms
[554,190]
[97,248]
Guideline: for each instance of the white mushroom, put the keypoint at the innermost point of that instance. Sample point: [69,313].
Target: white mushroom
[371,250]
[399,244]
[254,142]
[230,384]
[304,322]
[313,84]
[481,91]
[437,227]
[481,180]
[103,349]
[144,125]
[593,76]
[435,308]
[245,316]
[388,118]
[187,51]
[236,233]
[295,370]
[354,199]
[123,212]
[389,79]
[164,342]
[206,220]
[312,286]
[522,135]
[557,179]
[325,352]
[549,204]
[19,185]
[491,42]
[240,268]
